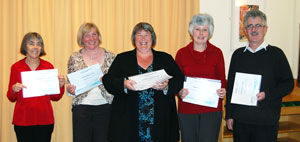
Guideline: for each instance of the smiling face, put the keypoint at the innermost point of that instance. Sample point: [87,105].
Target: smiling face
[255,31]
[34,47]
[200,34]
[90,39]
[143,41]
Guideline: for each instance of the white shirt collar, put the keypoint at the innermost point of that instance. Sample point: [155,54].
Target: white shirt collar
[262,46]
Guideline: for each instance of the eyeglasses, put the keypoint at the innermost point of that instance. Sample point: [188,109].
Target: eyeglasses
[257,26]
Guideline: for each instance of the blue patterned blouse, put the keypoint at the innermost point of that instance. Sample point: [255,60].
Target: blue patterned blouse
[146,109]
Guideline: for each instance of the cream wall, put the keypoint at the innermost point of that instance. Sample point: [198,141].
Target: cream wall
[283,21]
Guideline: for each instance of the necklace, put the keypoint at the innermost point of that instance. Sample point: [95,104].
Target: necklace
[93,54]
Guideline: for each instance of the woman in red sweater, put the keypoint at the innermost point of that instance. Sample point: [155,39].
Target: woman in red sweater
[33,117]
[200,59]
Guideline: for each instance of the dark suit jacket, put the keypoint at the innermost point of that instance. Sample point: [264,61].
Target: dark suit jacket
[124,116]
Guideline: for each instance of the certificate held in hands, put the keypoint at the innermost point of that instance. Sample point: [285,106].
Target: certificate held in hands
[40,83]
[147,80]
[202,91]
[86,79]
[245,88]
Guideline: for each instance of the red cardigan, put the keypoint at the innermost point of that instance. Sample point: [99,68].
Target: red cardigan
[34,110]
[207,64]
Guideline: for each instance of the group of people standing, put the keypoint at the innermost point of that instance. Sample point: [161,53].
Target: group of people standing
[116,112]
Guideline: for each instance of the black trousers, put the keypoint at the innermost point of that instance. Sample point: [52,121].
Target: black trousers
[90,123]
[254,133]
[204,127]
[37,133]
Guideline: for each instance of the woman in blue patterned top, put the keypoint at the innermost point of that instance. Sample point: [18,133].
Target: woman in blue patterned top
[148,115]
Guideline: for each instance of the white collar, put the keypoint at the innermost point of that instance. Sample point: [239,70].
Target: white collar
[262,46]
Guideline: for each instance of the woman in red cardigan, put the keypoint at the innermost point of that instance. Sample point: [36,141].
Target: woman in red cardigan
[33,117]
[200,59]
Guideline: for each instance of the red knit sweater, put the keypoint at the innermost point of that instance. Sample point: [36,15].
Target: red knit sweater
[34,110]
[207,64]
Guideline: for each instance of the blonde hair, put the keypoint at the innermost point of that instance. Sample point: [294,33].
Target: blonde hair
[85,28]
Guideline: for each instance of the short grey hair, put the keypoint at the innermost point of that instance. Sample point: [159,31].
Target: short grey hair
[143,26]
[202,19]
[253,14]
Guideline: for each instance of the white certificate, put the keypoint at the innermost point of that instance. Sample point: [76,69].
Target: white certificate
[40,83]
[147,80]
[86,79]
[245,88]
[202,91]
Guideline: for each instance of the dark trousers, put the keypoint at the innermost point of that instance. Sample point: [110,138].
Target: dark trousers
[204,127]
[254,133]
[90,123]
[37,133]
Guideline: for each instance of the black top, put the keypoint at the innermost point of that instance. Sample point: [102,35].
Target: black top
[277,82]
[124,115]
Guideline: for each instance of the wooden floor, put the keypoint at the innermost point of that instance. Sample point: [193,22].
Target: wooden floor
[285,139]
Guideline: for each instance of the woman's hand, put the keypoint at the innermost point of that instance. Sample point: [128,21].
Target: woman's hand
[128,84]
[161,85]
[221,92]
[18,87]
[61,80]
[183,93]
[71,89]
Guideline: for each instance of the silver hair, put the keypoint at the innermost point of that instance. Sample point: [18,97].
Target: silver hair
[202,19]
[253,14]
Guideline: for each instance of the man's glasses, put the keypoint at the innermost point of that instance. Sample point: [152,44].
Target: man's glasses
[256,26]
